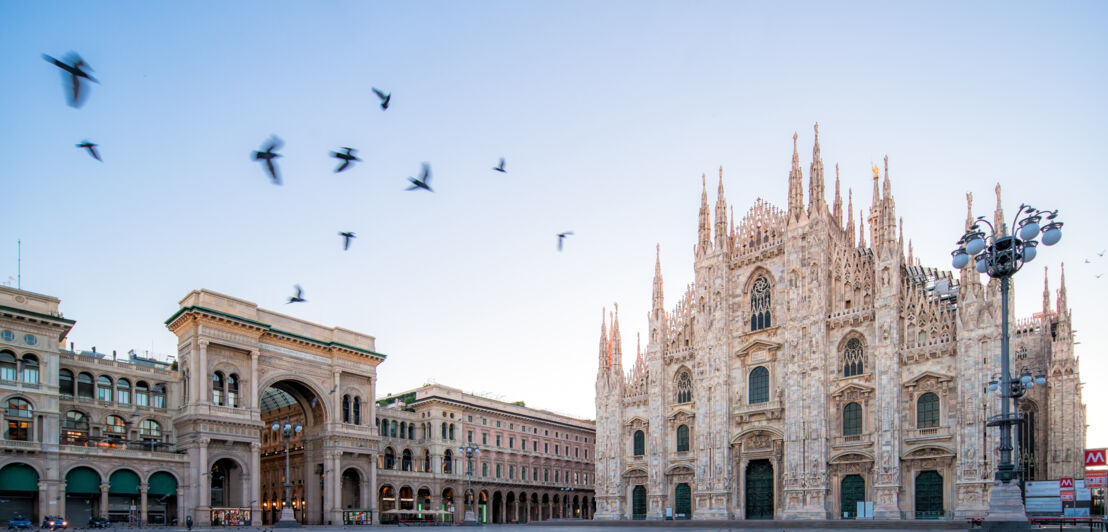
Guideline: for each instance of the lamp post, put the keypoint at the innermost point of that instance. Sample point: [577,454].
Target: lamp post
[1001,255]
[288,518]
[469,451]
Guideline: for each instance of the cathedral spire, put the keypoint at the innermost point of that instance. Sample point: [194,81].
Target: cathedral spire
[998,215]
[705,228]
[816,200]
[605,353]
[850,214]
[1046,293]
[658,302]
[1062,305]
[861,229]
[617,344]
[796,190]
[837,209]
[721,215]
[969,210]
[968,274]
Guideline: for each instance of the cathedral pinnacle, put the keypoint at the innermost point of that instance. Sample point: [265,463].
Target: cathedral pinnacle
[1062,307]
[721,215]
[605,353]
[704,228]
[796,189]
[969,210]
[861,229]
[850,214]
[617,344]
[998,215]
[838,207]
[1046,293]
[816,200]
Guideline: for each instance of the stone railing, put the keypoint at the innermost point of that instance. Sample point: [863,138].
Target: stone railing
[927,434]
[855,440]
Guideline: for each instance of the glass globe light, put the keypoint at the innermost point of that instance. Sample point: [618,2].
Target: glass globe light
[961,259]
[275,426]
[1029,230]
[299,428]
[975,245]
[1052,235]
[1029,253]
[1025,379]
[1040,380]
[992,386]
[982,266]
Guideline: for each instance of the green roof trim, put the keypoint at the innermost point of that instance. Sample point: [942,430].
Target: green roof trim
[37,314]
[196,308]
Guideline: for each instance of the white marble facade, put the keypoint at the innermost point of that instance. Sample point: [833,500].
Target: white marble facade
[807,368]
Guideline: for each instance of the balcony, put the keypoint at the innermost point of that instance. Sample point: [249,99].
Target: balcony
[750,412]
[928,434]
[17,445]
[855,440]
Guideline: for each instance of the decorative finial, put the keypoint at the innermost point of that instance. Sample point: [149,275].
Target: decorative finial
[886,166]
[816,127]
[836,171]
[998,195]
[794,141]
[876,172]
[721,171]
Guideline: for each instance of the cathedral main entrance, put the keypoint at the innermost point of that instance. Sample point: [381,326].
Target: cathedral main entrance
[682,496]
[929,495]
[638,502]
[759,490]
[852,490]
[291,404]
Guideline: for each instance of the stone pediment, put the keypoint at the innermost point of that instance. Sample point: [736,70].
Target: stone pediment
[758,344]
[637,422]
[634,472]
[682,415]
[851,457]
[853,390]
[929,452]
[680,468]
[929,378]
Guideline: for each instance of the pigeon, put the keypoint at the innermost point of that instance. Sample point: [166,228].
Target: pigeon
[501,167]
[346,236]
[1101,254]
[347,157]
[423,181]
[385,98]
[1098,276]
[73,72]
[1087,261]
[91,147]
[268,155]
[561,237]
[299,297]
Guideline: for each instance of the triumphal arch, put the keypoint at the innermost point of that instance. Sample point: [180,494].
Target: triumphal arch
[243,369]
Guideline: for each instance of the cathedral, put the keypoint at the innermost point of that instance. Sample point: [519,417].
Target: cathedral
[808,368]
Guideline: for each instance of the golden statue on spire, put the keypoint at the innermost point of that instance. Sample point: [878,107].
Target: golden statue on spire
[876,171]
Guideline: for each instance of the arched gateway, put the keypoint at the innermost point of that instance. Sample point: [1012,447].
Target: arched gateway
[246,369]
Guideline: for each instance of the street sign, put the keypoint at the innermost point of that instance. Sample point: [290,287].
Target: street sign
[1065,483]
[1067,496]
[1095,457]
[1096,479]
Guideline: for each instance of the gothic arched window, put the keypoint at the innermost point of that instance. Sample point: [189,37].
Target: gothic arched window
[853,357]
[760,304]
[759,385]
[927,411]
[682,438]
[852,419]
[640,443]
[684,387]
[346,409]
[357,410]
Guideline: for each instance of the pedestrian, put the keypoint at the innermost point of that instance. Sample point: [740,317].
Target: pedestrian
[188,522]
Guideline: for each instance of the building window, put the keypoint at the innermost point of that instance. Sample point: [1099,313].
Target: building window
[498,440]
[484,438]
[84,386]
[65,383]
[390,458]
[448,462]
[759,385]
[115,430]
[411,431]
[218,382]
[760,303]
[511,472]
[123,391]
[346,409]
[852,419]
[546,475]
[406,460]
[232,391]
[497,470]
[357,410]
[19,416]
[142,393]
[451,430]
[104,388]
[684,387]
[927,411]
[74,428]
[469,436]
[682,438]
[853,358]
[150,431]
[484,469]
[30,369]
[7,366]
[392,428]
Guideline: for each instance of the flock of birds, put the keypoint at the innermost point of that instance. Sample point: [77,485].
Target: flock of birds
[75,77]
[1100,256]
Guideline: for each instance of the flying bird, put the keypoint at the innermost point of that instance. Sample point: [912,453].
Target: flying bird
[346,236]
[561,237]
[268,155]
[1098,276]
[500,168]
[1101,254]
[74,68]
[91,147]
[299,297]
[385,98]
[424,180]
[1087,261]
[347,157]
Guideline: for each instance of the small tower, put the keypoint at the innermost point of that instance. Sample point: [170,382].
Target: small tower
[796,190]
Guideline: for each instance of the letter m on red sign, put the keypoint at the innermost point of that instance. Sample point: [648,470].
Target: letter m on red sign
[1065,483]
[1095,457]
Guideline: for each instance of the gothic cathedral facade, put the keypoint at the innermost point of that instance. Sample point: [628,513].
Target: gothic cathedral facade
[806,369]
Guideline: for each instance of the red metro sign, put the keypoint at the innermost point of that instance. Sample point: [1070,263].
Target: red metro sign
[1095,457]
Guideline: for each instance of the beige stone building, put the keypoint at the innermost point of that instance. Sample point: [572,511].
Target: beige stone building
[533,464]
[806,369]
[133,439]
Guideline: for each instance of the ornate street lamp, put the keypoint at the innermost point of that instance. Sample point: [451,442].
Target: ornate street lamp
[1001,255]
[469,451]
[288,517]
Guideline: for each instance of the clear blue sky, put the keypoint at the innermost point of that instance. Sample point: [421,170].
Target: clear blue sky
[607,113]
